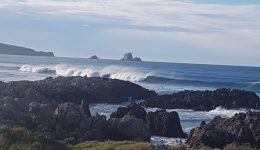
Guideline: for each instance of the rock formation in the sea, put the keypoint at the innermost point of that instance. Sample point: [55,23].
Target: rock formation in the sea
[16,50]
[165,124]
[133,110]
[206,100]
[93,57]
[75,89]
[129,57]
[161,123]
[243,128]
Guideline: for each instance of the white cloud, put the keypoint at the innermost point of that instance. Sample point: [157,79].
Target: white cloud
[157,13]
[204,30]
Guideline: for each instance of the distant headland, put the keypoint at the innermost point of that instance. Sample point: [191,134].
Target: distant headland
[17,50]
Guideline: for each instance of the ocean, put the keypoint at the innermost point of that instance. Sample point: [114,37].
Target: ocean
[159,76]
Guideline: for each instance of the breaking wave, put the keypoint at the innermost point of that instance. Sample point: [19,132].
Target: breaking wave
[134,75]
[113,72]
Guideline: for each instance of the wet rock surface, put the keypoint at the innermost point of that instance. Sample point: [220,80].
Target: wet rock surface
[243,128]
[206,100]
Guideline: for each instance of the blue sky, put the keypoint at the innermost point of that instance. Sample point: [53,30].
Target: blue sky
[192,31]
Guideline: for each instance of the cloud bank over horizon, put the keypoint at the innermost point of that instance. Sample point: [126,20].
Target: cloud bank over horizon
[158,30]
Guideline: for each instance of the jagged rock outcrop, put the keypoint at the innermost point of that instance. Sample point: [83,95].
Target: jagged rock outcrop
[129,57]
[165,124]
[161,123]
[93,57]
[206,100]
[40,115]
[58,108]
[133,110]
[242,128]
[128,128]
[74,89]
[69,122]
[17,50]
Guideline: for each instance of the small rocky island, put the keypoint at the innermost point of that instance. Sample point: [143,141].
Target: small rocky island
[129,57]
[17,50]
[93,57]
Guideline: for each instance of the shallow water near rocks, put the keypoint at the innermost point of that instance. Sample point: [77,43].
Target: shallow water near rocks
[189,118]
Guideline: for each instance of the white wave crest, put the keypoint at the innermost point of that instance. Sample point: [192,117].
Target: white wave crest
[227,112]
[35,69]
[113,72]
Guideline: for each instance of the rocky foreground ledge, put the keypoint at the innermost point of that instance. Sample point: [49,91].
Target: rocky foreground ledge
[242,129]
[57,108]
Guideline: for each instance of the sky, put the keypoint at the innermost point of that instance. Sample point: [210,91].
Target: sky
[187,31]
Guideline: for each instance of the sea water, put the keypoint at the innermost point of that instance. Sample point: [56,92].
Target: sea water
[159,76]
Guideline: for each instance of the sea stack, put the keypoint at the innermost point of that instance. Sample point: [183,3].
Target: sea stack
[93,57]
[129,57]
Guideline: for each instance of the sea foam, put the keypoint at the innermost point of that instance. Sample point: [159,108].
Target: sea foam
[113,71]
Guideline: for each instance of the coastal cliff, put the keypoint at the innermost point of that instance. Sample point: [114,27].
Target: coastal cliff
[17,50]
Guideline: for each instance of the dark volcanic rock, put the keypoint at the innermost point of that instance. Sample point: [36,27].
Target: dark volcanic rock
[161,123]
[58,108]
[133,110]
[241,128]
[16,50]
[206,100]
[129,128]
[69,115]
[40,115]
[75,89]
[165,124]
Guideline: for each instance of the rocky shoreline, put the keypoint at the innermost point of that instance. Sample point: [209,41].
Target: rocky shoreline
[58,108]
[206,100]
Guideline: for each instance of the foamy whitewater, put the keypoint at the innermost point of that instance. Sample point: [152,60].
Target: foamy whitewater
[161,77]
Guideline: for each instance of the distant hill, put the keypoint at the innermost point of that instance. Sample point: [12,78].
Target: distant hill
[17,50]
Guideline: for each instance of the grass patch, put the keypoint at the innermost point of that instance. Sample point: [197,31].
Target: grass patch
[234,146]
[22,139]
[112,145]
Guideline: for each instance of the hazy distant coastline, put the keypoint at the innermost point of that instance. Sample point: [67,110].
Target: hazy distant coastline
[17,50]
